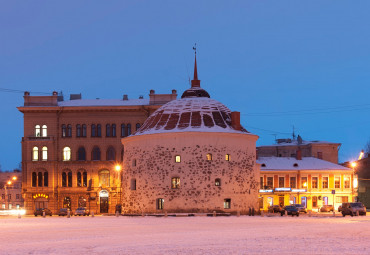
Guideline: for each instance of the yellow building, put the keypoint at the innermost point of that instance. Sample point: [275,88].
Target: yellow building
[309,181]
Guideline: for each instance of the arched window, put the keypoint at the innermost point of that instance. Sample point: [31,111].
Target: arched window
[34,179]
[84,179]
[128,129]
[81,154]
[69,130]
[123,130]
[107,130]
[35,154]
[98,129]
[81,202]
[66,154]
[79,179]
[114,130]
[83,130]
[78,130]
[69,179]
[133,184]
[209,156]
[37,131]
[111,154]
[104,178]
[95,153]
[64,130]
[44,131]
[137,126]
[67,202]
[46,179]
[93,130]
[39,179]
[44,153]
[64,179]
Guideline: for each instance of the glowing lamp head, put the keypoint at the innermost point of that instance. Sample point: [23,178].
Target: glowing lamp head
[305,184]
[118,168]
[353,164]
[14,178]
[9,182]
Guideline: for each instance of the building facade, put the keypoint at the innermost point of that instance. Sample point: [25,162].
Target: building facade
[304,180]
[70,148]
[11,190]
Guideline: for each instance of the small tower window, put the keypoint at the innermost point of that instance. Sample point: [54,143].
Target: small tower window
[66,154]
[134,162]
[209,156]
[175,183]
[37,131]
[227,157]
[133,184]
[227,203]
[217,182]
[44,131]
[177,158]
[35,154]
[160,203]
[44,153]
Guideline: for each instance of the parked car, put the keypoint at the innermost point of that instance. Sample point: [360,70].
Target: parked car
[353,208]
[64,212]
[275,208]
[300,207]
[82,211]
[339,208]
[291,210]
[327,208]
[40,211]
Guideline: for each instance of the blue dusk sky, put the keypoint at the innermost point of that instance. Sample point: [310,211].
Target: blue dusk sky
[280,63]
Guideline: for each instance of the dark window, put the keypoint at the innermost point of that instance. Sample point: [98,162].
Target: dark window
[84,178]
[175,182]
[314,182]
[17,196]
[123,130]
[293,182]
[114,130]
[64,179]
[39,179]
[34,179]
[81,154]
[78,130]
[319,155]
[81,202]
[69,130]
[217,182]
[93,130]
[83,130]
[64,131]
[98,129]
[46,179]
[107,130]
[133,184]
[137,126]
[134,162]
[261,182]
[95,153]
[227,203]
[128,129]
[281,182]
[111,154]
[270,182]
[79,179]
[160,204]
[325,182]
[69,179]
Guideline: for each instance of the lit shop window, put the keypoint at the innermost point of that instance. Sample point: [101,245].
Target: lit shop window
[209,156]
[35,154]
[66,154]
[217,182]
[175,183]
[44,153]
[227,157]
[227,203]
[177,159]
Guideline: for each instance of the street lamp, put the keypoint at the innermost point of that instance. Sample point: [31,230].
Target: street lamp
[118,169]
[354,179]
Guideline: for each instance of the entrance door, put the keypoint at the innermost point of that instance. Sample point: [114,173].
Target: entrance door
[304,201]
[104,204]
[281,201]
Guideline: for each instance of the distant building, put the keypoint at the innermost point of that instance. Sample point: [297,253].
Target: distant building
[70,148]
[288,148]
[11,190]
[304,180]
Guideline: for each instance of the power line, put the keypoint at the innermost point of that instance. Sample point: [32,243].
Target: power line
[22,91]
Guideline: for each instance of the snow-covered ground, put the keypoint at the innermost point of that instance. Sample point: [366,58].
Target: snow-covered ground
[185,235]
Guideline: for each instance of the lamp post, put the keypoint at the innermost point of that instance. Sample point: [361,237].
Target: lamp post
[353,164]
[118,169]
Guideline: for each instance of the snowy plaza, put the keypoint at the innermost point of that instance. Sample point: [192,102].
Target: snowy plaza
[185,235]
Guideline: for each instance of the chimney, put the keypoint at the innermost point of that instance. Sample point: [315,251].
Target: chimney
[152,92]
[299,155]
[235,120]
[125,97]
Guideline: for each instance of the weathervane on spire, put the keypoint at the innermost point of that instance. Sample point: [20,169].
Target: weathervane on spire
[195,48]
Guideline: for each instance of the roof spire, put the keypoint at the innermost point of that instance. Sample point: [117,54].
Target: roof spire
[195,82]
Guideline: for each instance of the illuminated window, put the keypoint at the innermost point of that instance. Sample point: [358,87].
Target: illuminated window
[177,159]
[37,131]
[347,182]
[160,203]
[293,182]
[304,182]
[44,153]
[81,178]
[67,202]
[270,182]
[217,182]
[175,182]
[133,184]
[227,203]
[314,182]
[44,131]
[227,157]
[337,182]
[104,178]
[35,154]
[209,156]
[81,202]
[281,182]
[325,182]
[66,154]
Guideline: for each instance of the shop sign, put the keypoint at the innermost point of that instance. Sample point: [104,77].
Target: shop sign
[299,190]
[40,195]
[266,190]
[283,189]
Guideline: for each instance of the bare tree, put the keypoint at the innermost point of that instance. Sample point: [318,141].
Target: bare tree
[367,149]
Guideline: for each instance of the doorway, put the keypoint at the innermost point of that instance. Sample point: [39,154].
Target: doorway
[304,201]
[104,201]
[281,201]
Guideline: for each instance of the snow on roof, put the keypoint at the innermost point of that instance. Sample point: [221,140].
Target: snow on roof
[295,143]
[199,114]
[307,163]
[104,102]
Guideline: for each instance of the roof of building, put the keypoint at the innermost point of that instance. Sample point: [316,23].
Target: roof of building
[103,102]
[292,164]
[296,142]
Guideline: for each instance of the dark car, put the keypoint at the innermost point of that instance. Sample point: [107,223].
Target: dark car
[300,207]
[40,212]
[353,208]
[275,208]
[291,210]
[64,212]
[327,208]
[340,208]
[82,211]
